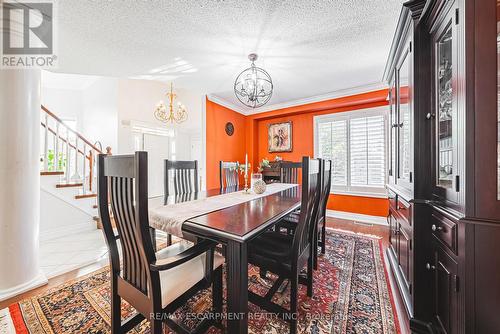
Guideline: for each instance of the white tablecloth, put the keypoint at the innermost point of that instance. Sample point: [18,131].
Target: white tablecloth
[169,218]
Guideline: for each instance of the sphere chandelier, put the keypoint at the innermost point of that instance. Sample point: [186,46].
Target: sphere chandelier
[253,87]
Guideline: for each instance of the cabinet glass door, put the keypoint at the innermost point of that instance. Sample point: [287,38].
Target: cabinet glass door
[393,124]
[445,140]
[404,122]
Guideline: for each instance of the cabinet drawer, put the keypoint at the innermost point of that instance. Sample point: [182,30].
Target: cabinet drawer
[403,208]
[445,230]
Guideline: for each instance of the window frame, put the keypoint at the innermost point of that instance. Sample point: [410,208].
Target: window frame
[368,191]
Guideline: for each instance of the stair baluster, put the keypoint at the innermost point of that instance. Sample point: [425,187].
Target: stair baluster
[71,139]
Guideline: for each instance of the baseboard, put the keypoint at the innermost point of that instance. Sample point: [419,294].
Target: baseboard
[66,230]
[376,220]
[39,280]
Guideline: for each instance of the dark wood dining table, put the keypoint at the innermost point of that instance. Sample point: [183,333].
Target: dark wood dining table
[235,227]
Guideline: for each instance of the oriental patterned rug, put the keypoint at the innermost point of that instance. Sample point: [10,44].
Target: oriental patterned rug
[351,295]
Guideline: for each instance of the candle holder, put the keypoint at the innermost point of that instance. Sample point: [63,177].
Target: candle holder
[246,190]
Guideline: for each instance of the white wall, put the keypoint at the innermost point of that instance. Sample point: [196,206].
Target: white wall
[100,112]
[65,103]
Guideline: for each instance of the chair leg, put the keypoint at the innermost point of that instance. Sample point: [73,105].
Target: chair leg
[116,320]
[217,292]
[310,265]
[315,251]
[156,326]
[323,238]
[294,286]
[169,239]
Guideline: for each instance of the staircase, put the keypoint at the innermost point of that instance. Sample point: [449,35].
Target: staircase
[68,175]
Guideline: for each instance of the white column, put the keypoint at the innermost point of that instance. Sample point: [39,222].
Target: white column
[20,182]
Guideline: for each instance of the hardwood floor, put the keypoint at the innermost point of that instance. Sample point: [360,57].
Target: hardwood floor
[347,225]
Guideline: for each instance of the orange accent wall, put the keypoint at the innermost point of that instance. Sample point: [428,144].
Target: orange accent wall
[357,204]
[220,146]
[255,140]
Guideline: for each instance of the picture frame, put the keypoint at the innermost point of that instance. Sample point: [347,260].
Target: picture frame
[280,137]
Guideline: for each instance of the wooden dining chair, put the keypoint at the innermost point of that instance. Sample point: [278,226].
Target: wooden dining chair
[289,172]
[156,284]
[289,222]
[184,176]
[285,255]
[325,195]
[228,174]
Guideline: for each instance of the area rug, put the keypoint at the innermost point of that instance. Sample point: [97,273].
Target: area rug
[351,295]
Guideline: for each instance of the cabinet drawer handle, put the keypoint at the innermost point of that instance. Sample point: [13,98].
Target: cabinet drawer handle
[428,266]
[436,228]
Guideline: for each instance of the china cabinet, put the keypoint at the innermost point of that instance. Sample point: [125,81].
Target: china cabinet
[444,164]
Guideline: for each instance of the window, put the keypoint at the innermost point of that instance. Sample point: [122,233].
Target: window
[356,143]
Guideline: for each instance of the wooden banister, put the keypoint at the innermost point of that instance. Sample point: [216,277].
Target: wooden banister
[62,139]
[84,152]
[51,114]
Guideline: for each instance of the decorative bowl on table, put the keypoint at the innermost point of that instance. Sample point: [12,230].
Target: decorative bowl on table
[259,186]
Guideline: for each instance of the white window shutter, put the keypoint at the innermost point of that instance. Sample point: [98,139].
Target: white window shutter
[356,146]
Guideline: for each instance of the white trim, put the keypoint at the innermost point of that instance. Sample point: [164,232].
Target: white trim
[312,99]
[376,220]
[361,193]
[227,104]
[39,280]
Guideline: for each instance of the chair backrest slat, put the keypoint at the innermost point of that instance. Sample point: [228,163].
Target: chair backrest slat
[185,177]
[289,172]
[312,170]
[120,176]
[228,173]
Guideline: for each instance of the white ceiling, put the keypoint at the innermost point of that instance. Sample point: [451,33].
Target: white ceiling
[309,47]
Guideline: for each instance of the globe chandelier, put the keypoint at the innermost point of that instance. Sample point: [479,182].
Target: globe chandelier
[253,87]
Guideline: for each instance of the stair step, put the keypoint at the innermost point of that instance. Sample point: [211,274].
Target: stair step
[85,196]
[51,173]
[68,185]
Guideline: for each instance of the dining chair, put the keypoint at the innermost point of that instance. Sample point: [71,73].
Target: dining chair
[289,172]
[183,175]
[290,221]
[325,195]
[285,255]
[228,174]
[156,284]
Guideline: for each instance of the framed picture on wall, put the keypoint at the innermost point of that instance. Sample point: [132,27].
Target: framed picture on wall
[280,137]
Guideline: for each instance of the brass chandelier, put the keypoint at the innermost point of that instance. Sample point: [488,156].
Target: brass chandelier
[170,114]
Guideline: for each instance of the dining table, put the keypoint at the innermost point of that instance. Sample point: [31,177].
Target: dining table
[234,226]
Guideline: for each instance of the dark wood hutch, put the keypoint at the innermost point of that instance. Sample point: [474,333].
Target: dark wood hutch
[444,165]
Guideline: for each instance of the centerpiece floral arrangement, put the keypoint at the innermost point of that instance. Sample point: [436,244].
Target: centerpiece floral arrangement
[264,163]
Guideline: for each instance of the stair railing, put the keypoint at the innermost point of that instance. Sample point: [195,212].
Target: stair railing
[67,151]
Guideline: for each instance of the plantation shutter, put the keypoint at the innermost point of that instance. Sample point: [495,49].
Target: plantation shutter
[367,151]
[356,144]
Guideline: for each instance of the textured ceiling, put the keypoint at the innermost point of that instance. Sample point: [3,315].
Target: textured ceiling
[309,47]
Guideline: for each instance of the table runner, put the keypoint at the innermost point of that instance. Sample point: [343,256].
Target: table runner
[169,218]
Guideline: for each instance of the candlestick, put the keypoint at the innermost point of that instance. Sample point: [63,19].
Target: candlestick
[246,165]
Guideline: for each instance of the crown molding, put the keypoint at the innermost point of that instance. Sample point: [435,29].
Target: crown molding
[227,104]
[313,99]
